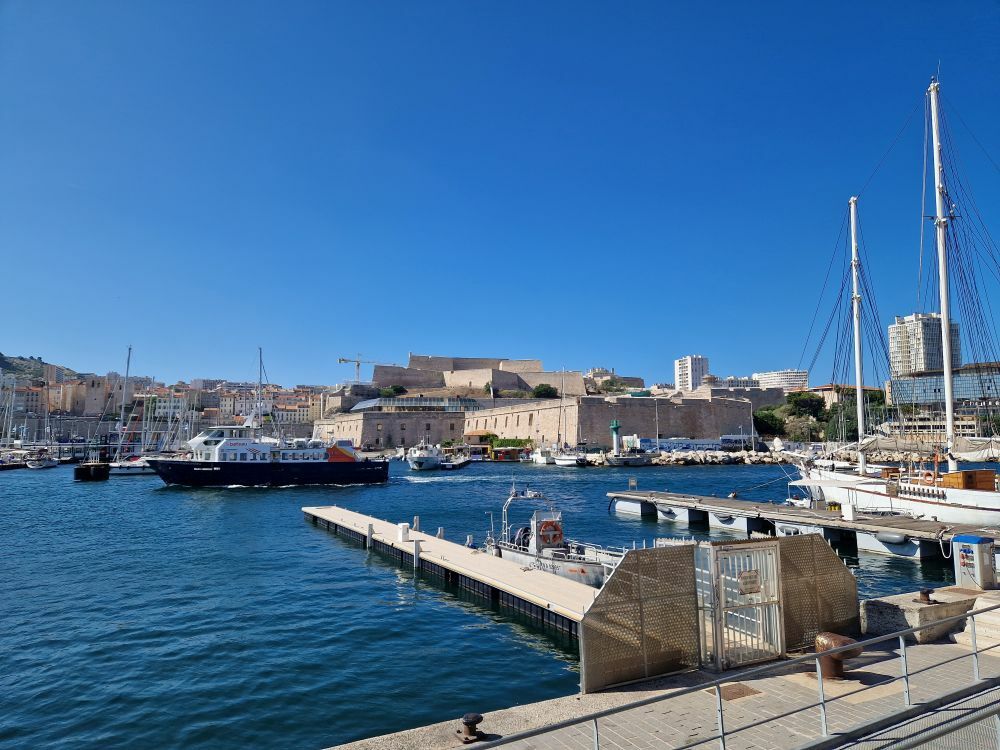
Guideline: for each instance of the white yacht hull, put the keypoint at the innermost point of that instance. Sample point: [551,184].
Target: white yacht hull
[424,463]
[947,505]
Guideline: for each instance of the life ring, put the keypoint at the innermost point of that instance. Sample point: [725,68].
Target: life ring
[928,478]
[550,532]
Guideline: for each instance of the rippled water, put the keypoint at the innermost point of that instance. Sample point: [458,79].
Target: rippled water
[135,614]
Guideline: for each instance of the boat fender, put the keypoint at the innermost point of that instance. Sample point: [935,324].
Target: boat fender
[888,537]
[928,478]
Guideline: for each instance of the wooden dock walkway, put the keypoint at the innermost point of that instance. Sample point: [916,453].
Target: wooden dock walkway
[551,600]
[897,535]
[912,527]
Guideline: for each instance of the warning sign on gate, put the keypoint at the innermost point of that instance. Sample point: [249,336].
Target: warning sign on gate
[749,582]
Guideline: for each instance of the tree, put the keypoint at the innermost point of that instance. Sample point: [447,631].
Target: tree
[803,404]
[544,390]
[488,388]
[391,391]
[802,428]
[767,422]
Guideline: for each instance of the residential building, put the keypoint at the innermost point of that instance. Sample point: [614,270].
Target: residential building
[788,380]
[915,345]
[689,371]
[834,393]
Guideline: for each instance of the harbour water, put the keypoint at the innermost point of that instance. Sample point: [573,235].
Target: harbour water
[136,614]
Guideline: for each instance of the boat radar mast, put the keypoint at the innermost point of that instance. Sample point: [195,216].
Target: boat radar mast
[941,225]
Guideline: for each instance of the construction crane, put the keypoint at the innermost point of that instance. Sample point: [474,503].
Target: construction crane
[357,365]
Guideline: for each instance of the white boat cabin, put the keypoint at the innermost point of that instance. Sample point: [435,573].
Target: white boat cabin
[240,444]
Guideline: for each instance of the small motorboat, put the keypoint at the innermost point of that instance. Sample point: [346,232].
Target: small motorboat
[131,467]
[41,460]
[541,545]
[455,462]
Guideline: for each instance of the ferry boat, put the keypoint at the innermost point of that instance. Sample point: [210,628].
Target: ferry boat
[542,545]
[237,455]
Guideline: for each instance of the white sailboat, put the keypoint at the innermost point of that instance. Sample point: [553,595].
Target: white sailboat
[122,465]
[966,497]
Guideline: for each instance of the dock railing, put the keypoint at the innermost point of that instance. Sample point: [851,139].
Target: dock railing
[585,731]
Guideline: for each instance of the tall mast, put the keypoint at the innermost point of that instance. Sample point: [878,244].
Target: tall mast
[944,289]
[260,389]
[121,413]
[856,309]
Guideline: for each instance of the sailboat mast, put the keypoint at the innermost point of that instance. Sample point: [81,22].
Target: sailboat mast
[944,288]
[856,309]
[121,413]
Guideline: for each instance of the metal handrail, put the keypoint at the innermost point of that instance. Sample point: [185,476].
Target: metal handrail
[717,684]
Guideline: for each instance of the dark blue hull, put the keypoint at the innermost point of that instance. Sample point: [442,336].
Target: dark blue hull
[271,474]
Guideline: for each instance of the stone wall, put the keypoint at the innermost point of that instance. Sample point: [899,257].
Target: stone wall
[588,419]
[387,375]
[521,365]
[381,429]
[572,382]
[478,379]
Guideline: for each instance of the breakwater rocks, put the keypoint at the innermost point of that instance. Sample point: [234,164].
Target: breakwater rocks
[709,458]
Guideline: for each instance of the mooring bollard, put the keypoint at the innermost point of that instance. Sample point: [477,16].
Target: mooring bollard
[368,536]
[833,664]
[469,731]
[440,534]
[416,555]
[404,533]
[416,523]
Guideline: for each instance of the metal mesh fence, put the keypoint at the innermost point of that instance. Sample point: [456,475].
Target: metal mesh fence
[644,622]
[818,591]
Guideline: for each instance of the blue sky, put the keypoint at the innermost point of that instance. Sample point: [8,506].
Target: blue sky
[588,183]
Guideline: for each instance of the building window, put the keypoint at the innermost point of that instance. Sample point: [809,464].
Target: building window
[517,420]
[451,427]
[402,427]
[506,421]
[427,426]
[378,426]
[531,419]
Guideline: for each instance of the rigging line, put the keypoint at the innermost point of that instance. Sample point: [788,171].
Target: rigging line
[923,203]
[952,108]
[833,256]
[891,147]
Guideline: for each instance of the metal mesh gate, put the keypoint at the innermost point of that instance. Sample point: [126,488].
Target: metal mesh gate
[739,602]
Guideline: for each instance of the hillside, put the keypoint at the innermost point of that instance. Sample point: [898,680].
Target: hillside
[26,367]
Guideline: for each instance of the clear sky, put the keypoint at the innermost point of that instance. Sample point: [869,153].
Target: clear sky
[612,184]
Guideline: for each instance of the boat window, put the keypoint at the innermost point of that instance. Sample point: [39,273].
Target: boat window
[243,457]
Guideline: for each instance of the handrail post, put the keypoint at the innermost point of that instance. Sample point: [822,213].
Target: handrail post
[975,649]
[718,716]
[906,672]
[597,736]
[822,698]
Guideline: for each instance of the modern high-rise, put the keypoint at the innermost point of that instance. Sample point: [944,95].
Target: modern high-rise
[689,371]
[788,380]
[915,345]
